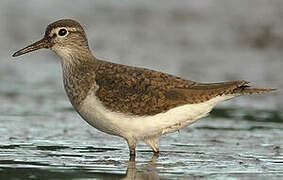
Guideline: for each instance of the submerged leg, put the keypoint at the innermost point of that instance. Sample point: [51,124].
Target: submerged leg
[132,146]
[152,142]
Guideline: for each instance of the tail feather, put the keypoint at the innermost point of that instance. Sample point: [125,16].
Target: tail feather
[245,89]
[205,91]
[229,88]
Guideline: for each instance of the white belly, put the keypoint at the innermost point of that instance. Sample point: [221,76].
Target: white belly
[141,127]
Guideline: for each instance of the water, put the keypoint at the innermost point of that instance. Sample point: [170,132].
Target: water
[208,41]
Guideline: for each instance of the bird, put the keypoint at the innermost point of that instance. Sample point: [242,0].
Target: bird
[135,103]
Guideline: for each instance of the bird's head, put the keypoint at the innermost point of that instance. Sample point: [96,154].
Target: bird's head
[66,37]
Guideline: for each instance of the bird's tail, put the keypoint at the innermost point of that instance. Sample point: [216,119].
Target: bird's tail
[230,88]
[205,91]
[246,89]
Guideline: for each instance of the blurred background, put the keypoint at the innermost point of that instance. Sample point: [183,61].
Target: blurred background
[206,41]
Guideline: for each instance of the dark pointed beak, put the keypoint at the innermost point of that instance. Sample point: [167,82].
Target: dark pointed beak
[43,43]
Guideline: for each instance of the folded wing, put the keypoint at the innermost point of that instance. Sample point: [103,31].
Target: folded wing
[140,91]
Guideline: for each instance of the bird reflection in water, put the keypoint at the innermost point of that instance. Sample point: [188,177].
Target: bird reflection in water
[146,171]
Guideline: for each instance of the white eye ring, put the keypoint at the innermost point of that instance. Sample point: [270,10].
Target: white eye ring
[62,32]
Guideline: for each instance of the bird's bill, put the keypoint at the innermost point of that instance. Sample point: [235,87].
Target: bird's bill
[43,43]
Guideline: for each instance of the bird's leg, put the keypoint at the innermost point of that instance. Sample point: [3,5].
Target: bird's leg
[132,146]
[152,142]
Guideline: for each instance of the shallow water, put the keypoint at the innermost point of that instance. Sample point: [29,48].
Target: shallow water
[42,137]
[61,146]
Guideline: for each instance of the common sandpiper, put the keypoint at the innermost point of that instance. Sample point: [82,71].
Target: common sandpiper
[134,103]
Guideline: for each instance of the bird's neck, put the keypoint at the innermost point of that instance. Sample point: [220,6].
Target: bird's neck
[79,77]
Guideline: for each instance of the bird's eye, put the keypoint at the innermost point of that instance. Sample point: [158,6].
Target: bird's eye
[62,32]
